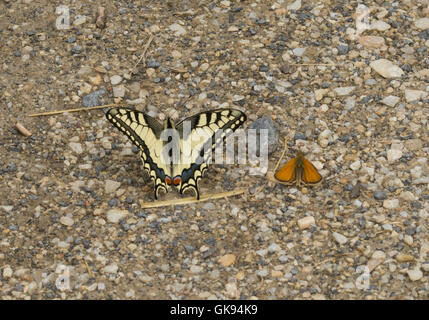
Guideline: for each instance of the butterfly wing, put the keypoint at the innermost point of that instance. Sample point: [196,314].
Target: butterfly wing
[144,132]
[287,173]
[200,133]
[309,173]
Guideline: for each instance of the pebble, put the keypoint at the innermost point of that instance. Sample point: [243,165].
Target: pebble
[274,247]
[415,274]
[390,101]
[116,79]
[67,221]
[196,269]
[394,155]
[76,147]
[262,273]
[114,215]
[273,134]
[119,91]
[343,91]
[92,99]
[339,238]
[306,222]
[422,23]
[413,95]
[355,165]
[320,93]
[7,272]
[178,29]
[231,290]
[111,268]
[371,41]
[111,186]
[380,195]
[380,26]
[403,257]
[296,5]
[408,239]
[298,51]
[391,204]
[227,260]
[386,68]
[79,20]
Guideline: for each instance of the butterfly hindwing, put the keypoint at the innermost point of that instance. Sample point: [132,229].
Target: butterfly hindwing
[144,131]
[200,135]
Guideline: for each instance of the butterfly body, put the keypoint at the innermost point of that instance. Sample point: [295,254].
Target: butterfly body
[176,154]
[300,171]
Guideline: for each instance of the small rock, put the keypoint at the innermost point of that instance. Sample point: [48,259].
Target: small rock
[371,41]
[390,101]
[414,95]
[262,272]
[343,91]
[178,29]
[111,268]
[355,165]
[380,26]
[339,238]
[7,272]
[422,23]
[320,93]
[380,195]
[116,79]
[119,91]
[408,239]
[403,257]
[79,20]
[67,221]
[196,269]
[76,147]
[92,99]
[391,204]
[393,155]
[231,290]
[306,222]
[386,68]
[415,274]
[111,186]
[299,51]
[114,215]
[273,135]
[227,260]
[294,5]
[274,247]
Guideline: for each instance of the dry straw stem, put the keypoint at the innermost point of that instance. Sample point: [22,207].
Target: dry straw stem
[270,174]
[50,113]
[143,55]
[192,199]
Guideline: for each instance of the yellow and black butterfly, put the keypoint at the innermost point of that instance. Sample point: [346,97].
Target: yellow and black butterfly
[195,136]
[298,170]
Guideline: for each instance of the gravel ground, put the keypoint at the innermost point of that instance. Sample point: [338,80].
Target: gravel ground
[71,224]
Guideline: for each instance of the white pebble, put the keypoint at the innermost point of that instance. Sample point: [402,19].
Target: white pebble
[111,186]
[339,238]
[114,215]
[415,274]
[67,221]
[391,204]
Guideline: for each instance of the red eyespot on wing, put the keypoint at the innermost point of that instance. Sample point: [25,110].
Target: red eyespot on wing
[177,180]
[168,180]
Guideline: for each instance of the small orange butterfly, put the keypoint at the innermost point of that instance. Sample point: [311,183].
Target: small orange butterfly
[298,170]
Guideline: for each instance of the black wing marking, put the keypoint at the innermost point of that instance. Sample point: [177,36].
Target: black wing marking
[204,126]
[144,131]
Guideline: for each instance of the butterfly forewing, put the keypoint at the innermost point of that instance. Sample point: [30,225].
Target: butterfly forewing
[287,173]
[309,173]
[202,141]
[144,131]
